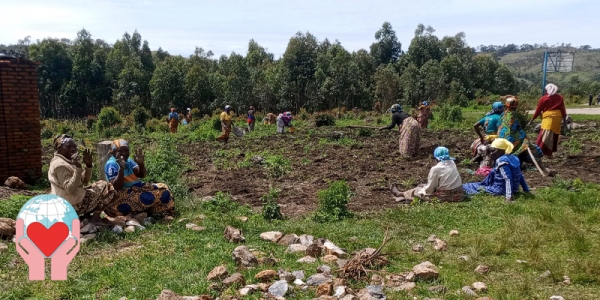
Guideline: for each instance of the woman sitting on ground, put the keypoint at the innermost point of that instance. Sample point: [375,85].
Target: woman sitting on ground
[133,195]
[68,177]
[480,147]
[505,178]
[443,182]
[410,131]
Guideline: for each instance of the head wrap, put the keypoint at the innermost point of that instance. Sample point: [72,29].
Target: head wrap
[396,108]
[288,114]
[503,144]
[251,107]
[425,103]
[189,109]
[227,107]
[497,108]
[511,103]
[551,89]
[116,144]
[61,140]
[441,153]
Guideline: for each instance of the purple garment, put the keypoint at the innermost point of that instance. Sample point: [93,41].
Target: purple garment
[287,121]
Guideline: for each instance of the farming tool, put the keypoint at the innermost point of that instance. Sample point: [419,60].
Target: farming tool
[358,126]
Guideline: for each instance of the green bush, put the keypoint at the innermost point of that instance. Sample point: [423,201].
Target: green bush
[156,125]
[90,121]
[333,202]
[196,114]
[141,117]
[450,114]
[324,120]
[276,165]
[109,117]
[222,203]
[270,209]
[216,124]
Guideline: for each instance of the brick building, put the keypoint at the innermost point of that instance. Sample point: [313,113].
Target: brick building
[20,141]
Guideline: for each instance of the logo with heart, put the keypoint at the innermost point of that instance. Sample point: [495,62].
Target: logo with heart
[47,239]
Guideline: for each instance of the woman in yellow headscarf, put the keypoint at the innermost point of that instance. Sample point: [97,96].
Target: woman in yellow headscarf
[505,178]
[552,109]
[134,196]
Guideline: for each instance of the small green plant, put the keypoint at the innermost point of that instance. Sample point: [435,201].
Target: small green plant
[450,114]
[196,114]
[270,209]
[276,165]
[333,202]
[141,117]
[573,146]
[365,132]
[324,120]
[222,202]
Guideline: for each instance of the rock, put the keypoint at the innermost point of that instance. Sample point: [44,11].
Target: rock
[271,236]
[268,261]
[129,229]
[3,247]
[417,248]
[135,223]
[119,220]
[376,280]
[217,273]
[349,297]
[285,275]
[257,159]
[148,221]
[243,219]
[336,135]
[464,257]
[306,240]
[318,279]
[480,287]
[330,258]
[87,237]
[299,274]
[293,248]
[557,298]
[410,277]
[307,260]
[264,286]
[324,269]
[393,280]
[7,227]
[325,289]
[376,291]
[521,261]
[15,183]
[339,282]
[332,249]
[339,291]
[168,219]
[454,232]
[439,245]
[234,279]
[123,298]
[247,290]
[468,291]
[545,274]
[566,280]
[140,217]
[299,282]
[482,269]
[279,288]
[438,289]
[170,295]
[194,227]
[314,250]
[266,275]
[242,257]
[89,228]
[432,238]
[288,239]
[405,286]
[233,235]
[117,229]
[341,263]
[426,271]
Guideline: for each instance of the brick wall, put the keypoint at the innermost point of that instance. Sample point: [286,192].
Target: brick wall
[20,141]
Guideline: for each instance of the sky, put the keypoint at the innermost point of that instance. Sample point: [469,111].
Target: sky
[225,26]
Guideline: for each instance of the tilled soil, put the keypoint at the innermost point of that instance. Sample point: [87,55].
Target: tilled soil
[369,167]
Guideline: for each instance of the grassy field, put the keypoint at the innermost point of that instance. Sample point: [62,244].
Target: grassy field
[552,229]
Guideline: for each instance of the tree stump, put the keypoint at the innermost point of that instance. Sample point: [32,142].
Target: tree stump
[103,150]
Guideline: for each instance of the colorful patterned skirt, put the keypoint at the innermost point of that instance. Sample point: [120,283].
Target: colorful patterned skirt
[151,198]
[98,196]
[410,137]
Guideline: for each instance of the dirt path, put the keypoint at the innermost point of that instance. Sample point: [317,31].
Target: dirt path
[580,111]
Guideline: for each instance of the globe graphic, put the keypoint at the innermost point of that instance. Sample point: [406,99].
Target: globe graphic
[47,209]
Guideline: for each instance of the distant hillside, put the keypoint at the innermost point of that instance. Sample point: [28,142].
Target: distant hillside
[528,65]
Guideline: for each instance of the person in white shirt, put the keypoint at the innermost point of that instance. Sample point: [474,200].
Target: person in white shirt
[443,182]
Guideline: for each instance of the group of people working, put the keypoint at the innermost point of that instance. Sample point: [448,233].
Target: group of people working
[282,120]
[174,119]
[501,152]
[121,193]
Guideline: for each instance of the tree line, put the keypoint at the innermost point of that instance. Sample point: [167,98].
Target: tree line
[77,78]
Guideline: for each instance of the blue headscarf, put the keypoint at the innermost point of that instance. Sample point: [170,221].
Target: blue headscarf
[441,153]
[497,108]
[396,108]
[425,103]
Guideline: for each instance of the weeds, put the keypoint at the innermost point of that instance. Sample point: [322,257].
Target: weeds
[333,202]
[270,209]
[276,166]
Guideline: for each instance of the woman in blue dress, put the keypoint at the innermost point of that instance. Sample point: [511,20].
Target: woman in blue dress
[505,178]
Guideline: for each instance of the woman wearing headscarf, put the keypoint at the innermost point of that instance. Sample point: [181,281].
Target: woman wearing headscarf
[505,178]
[410,131]
[552,109]
[480,147]
[424,114]
[68,176]
[226,124]
[283,120]
[133,195]
[443,182]
[251,119]
[511,130]
[173,120]
[188,116]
